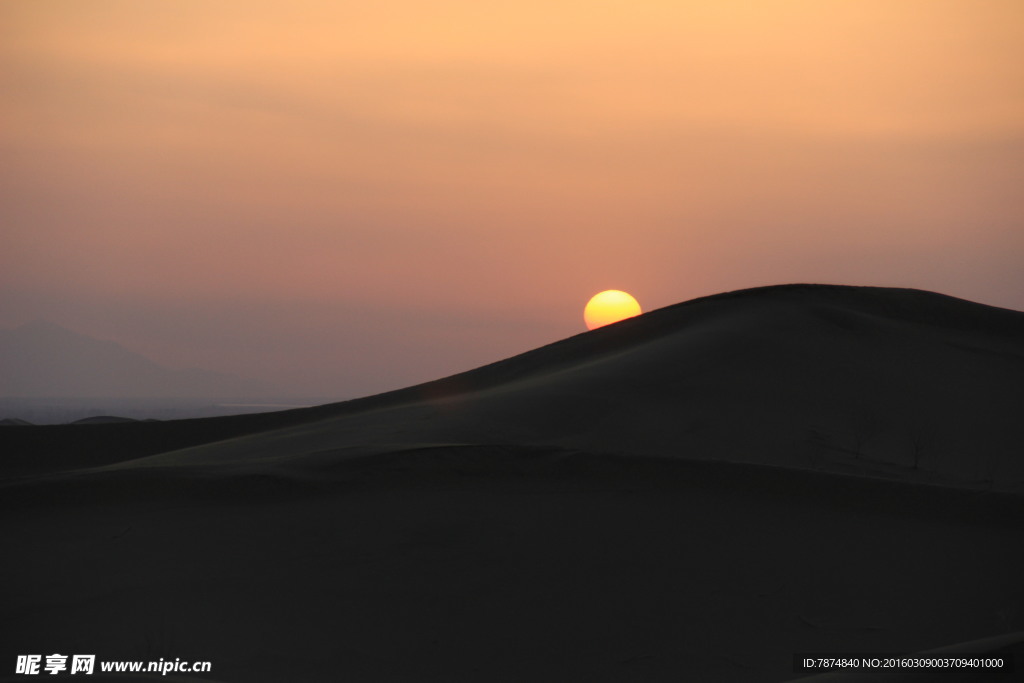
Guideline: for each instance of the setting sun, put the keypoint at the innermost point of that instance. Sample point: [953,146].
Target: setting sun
[610,306]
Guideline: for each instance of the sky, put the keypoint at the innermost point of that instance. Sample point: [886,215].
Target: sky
[343,198]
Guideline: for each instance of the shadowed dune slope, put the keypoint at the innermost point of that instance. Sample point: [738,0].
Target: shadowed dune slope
[696,494]
[885,382]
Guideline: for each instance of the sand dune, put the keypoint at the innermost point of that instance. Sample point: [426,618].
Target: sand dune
[694,494]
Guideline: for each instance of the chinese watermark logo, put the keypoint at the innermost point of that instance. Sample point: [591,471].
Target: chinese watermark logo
[34,665]
[55,663]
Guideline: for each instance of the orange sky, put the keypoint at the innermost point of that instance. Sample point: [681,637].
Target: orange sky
[345,199]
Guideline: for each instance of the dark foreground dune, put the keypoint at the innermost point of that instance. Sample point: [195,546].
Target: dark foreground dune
[692,495]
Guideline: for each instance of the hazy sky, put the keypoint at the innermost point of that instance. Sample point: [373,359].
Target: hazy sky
[347,197]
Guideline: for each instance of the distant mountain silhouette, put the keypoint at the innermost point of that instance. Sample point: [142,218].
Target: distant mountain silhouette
[42,359]
[103,420]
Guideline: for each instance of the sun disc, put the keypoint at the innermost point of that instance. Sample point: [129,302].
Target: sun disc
[610,306]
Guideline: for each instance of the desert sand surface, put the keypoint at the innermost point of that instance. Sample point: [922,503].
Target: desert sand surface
[695,494]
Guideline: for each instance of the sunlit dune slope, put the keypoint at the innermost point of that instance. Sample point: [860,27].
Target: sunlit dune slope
[887,382]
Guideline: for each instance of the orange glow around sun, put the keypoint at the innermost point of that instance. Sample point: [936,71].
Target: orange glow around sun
[610,306]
